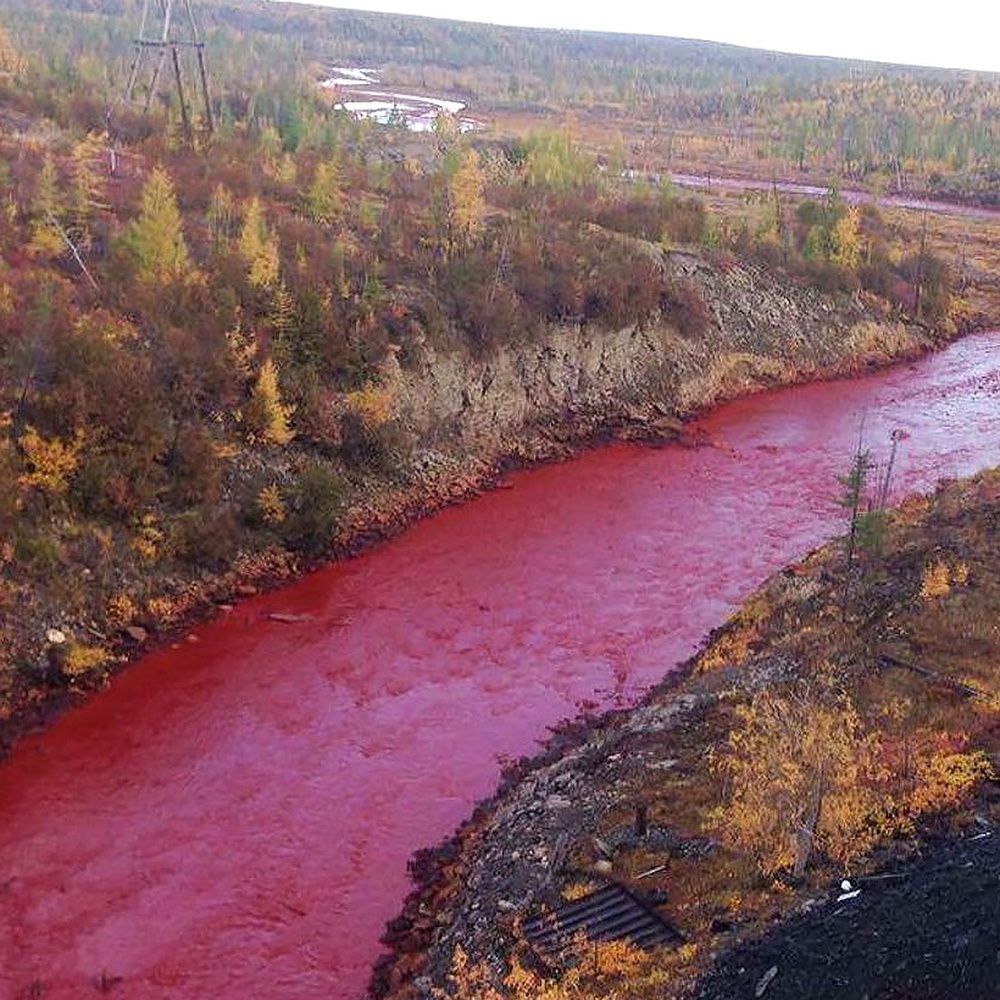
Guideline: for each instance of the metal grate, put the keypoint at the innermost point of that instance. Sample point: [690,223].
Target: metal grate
[609,913]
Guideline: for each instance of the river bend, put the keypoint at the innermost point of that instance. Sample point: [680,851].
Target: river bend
[233,817]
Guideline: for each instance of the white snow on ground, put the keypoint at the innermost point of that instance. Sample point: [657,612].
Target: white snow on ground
[371,107]
[452,107]
[347,76]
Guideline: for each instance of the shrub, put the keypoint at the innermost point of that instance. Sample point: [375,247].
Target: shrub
[41,553]
[946,777]
[271,506]
[686,309]
[932,282]
[196,468]
[317,497]
[206,536]
[686,220]
[800,770]
[120,610]
[148,538]
[50,462]
[82,662]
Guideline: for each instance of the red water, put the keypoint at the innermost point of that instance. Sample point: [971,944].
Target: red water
[232,819]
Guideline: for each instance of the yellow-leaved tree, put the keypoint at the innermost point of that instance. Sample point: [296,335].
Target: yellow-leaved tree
[553,160]
[266,415]
[156,238]
[801,772]
[325,196]
[221,217]
[86,187]
[258,247]
[465,197]
[50,461]
[846,239]
[10,62]
[46,206]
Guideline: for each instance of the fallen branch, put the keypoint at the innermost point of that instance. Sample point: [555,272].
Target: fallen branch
[960,686]
[73,250]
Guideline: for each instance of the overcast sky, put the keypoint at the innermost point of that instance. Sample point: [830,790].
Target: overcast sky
[959,33]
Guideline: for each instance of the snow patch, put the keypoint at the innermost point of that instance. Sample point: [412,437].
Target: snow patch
[416,112]
[348,76]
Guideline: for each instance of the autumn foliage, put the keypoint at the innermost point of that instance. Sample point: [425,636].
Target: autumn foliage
[196,338]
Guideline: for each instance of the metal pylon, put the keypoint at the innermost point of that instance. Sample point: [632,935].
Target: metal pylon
[159,36]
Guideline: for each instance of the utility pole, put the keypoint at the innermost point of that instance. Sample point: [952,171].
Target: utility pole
[161,37]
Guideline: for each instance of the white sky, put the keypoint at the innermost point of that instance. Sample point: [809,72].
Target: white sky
[954,33]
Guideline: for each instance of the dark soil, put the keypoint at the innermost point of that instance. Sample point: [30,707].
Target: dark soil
[927,929]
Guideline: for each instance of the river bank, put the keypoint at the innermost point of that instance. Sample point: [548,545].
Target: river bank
[907,641]
[465,419]
[268,779]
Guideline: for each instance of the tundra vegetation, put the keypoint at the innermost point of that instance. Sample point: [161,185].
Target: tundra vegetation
[194,336]
[818,741]
[193,348]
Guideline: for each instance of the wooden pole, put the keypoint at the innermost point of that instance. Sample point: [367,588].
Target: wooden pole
[164,41]
[180,91]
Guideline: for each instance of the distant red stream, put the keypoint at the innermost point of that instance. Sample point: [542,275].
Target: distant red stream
[232,819]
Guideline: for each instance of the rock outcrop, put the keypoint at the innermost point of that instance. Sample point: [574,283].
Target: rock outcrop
[755,330]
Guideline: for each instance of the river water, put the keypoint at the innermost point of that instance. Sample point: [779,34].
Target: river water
[851,196]
[232,818]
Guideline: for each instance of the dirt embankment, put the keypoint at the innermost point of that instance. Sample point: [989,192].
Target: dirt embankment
[464,418]
[899,654]
[753,330]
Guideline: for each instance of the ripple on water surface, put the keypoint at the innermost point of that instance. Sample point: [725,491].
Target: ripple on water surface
[233,818]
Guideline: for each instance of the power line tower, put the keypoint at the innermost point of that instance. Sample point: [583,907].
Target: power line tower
[160,37]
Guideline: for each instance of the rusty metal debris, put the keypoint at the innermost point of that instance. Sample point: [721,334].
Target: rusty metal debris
[609,913]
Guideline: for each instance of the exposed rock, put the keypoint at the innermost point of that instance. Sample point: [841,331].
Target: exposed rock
[639,381]
[287,618]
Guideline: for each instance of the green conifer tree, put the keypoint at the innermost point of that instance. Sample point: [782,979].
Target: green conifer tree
[156,237]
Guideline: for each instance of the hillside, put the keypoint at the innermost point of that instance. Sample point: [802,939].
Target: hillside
[652,103]
[229,359]
[853,699]
[229,356]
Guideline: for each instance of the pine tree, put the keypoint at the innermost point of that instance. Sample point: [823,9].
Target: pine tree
[46,206]
[465,197]
[852,499]
[281,318]
[258,247]
[267,415]
[325,195]
[156,238]
[85,196]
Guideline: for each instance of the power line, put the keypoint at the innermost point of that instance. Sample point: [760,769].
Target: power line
[162,38]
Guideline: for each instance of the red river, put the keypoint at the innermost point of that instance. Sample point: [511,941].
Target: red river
[232,818]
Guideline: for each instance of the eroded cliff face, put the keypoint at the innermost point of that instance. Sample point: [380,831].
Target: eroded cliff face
[731,329]
[756,330]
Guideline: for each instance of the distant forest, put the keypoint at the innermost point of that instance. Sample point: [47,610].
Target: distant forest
[671,103]
[200,336]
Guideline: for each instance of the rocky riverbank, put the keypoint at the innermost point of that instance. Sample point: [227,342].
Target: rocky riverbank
[897,652]
[458,420]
